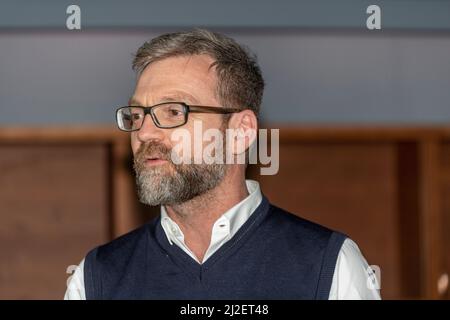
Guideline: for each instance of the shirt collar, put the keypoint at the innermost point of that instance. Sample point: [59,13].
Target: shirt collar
[228,223]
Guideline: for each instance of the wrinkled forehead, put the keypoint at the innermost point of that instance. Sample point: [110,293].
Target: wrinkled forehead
[169,96]
[189,78]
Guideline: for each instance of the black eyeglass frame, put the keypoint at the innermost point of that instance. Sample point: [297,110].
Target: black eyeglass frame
[187,108]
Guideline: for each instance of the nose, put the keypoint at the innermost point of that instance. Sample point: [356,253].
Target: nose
[149,131]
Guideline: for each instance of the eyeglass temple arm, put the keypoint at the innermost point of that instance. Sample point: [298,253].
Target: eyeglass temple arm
[208,109]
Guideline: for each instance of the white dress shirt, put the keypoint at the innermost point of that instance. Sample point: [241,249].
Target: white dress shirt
[352,279]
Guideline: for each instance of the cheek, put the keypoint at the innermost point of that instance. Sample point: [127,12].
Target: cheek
[135,143]
[198,141]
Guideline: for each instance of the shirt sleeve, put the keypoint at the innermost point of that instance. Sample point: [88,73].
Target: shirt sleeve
[75,286]
[353,279]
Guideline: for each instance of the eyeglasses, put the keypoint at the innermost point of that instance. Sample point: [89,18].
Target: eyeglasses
[165,115]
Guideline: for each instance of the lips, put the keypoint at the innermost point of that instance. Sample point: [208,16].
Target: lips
[152,153]
[154,160]
[155,157]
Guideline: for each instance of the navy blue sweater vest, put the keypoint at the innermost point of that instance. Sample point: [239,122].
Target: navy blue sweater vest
[274,255]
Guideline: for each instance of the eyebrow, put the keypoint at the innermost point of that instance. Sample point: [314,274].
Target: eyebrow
[170,97]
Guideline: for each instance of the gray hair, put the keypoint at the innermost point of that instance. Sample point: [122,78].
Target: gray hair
[240,82]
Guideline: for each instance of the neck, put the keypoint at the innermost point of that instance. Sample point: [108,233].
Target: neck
[197,216]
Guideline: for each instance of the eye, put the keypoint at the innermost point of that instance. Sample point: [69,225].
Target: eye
[175,112]
[135,116]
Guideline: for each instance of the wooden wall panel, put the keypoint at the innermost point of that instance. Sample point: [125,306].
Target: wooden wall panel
[445,227]
[65,190]
[408,219]
[54,208]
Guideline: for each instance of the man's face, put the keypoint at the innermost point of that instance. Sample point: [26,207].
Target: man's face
[187,79]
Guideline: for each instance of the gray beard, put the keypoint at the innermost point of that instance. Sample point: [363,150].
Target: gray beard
[171,184]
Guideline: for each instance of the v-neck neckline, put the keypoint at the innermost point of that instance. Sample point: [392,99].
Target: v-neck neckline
[184,260]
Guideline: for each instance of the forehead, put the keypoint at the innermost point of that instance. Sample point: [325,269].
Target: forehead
[192,75]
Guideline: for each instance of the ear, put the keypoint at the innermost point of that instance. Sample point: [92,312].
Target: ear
[244,126]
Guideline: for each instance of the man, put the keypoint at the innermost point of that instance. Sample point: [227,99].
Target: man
[217,237]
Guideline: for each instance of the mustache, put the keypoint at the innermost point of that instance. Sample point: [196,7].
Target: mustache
[152,150]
